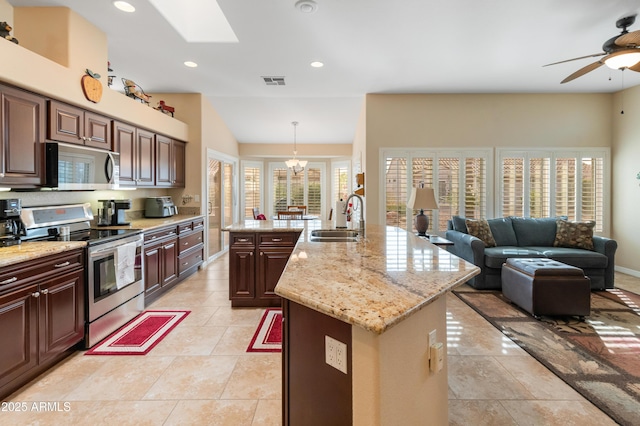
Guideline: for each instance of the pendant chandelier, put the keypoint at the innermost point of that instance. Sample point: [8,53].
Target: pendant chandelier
[294,164]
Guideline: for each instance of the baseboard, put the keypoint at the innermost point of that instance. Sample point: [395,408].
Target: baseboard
[627,271]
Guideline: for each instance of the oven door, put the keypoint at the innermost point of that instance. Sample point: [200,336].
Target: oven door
[105,291]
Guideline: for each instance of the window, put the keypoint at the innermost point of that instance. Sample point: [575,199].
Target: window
[560,182]
[304,188]
[459,179]
[340,188]
[252,186]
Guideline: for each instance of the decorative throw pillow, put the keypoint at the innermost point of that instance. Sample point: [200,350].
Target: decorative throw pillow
[480,229]
[574,234]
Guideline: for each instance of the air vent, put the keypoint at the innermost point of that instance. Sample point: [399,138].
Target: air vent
[273,81]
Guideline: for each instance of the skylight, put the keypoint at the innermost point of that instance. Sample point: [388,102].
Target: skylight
[197,21]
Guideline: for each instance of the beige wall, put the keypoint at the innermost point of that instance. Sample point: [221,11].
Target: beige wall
[479,120]
[625,194]
[285,150]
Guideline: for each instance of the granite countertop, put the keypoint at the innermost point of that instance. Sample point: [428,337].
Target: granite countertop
[33,250]
[374,283]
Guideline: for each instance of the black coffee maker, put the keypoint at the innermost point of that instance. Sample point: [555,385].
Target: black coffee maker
[11,226]
[112,212]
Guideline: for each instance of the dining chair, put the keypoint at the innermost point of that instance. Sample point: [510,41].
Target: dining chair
[294,208]
[256,212]
[331,213]
[290,215]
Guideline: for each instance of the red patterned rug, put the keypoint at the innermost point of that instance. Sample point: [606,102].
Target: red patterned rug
[268,336]
[600,357]
[140,335]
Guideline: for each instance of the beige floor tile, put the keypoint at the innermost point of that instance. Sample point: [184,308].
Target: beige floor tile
[479,413]
[189,341]
[56,383]
[480,340]
[482,377]
[234,341]
[98,413]
[255,377]
[198,316]
[226,316]
[218,298]
[121,378]
[212,413]
[193,377]
[268,413]
[210,284]
[537,379]
[556,413]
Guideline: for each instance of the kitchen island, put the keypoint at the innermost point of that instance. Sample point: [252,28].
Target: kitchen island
[368,308]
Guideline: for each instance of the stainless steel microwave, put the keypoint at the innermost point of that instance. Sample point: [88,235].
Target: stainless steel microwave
[76,167]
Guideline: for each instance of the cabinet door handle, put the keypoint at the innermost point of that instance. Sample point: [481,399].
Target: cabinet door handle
[185,263]
[185,244]
[242,240]
[261,253]
[153,237]
[9,281]
[276,240]
[60,265]
[36,294]
[251,254]
[45,291]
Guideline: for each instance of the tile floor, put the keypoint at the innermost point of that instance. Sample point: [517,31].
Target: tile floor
[200,374]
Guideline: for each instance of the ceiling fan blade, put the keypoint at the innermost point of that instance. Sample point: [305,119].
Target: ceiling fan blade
[582,71]
[635,68]
[595,55]
[631,39]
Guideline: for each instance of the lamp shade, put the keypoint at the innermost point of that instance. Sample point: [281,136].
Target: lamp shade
[422,198]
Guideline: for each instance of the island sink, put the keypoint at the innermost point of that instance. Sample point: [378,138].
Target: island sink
[333,235]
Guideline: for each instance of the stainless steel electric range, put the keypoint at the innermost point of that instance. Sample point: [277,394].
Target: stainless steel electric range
[114,274]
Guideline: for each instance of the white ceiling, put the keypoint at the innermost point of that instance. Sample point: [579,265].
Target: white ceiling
[367,46]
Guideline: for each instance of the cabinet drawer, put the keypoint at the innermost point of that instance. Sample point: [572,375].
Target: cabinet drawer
[277,239]
[189,260]
[159,233]
[191,240]
[191,226]
[50,266]
[243,239]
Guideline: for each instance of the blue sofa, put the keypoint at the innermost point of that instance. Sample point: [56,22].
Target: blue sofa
[528,237]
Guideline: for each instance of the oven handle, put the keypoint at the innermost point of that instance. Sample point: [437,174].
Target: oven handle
[111,248]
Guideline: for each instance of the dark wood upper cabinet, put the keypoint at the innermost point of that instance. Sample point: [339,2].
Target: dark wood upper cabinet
[137,154]
[145,160]
[71,124]
[170,162]
[22,130]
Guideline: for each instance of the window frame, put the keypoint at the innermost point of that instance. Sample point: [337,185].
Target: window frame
[272,165]
[244,164]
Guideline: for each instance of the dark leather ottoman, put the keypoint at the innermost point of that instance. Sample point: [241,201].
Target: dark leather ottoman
[546,287]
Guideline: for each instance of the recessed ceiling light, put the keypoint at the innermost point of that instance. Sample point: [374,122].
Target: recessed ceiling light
[307,6]
[317,64]
[190,64]
[124,6]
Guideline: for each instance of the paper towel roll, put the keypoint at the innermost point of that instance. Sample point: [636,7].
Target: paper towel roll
[341,218]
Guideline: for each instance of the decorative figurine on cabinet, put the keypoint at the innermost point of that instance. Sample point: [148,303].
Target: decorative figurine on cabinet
[165,108]
[110,77]
[132,90]
[4,32]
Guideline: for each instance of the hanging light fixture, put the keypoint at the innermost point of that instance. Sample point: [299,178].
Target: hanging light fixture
[294,164]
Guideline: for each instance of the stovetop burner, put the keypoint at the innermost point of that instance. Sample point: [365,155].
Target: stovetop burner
[92,236]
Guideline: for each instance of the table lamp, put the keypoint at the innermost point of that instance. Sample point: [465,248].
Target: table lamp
[424,199]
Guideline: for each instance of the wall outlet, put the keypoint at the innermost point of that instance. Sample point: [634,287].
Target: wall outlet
[437,357]
[433,338]
[335,354]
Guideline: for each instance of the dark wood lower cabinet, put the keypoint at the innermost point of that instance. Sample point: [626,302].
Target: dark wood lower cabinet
[256,262]
[171,254]
[313,392]
[41,315]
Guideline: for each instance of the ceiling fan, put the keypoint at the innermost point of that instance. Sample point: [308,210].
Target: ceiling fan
[620,52]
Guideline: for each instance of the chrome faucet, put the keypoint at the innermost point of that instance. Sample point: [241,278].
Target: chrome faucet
[346,206]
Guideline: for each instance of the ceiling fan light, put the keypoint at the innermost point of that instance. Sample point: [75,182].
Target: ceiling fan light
[623,60]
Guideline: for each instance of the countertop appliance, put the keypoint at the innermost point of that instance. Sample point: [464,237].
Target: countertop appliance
[112,212]
[160,207]
[114,274]
[11,227]
[76,167]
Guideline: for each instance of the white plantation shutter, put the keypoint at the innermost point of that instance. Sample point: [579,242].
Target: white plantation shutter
[396,191]
[459,179]
[475,188]
[340,188]
[565,193]
[279,189]
[539,187]
[558,182]
[448,190]
[296,198]
[512,187]
[314,191]
[252,190]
